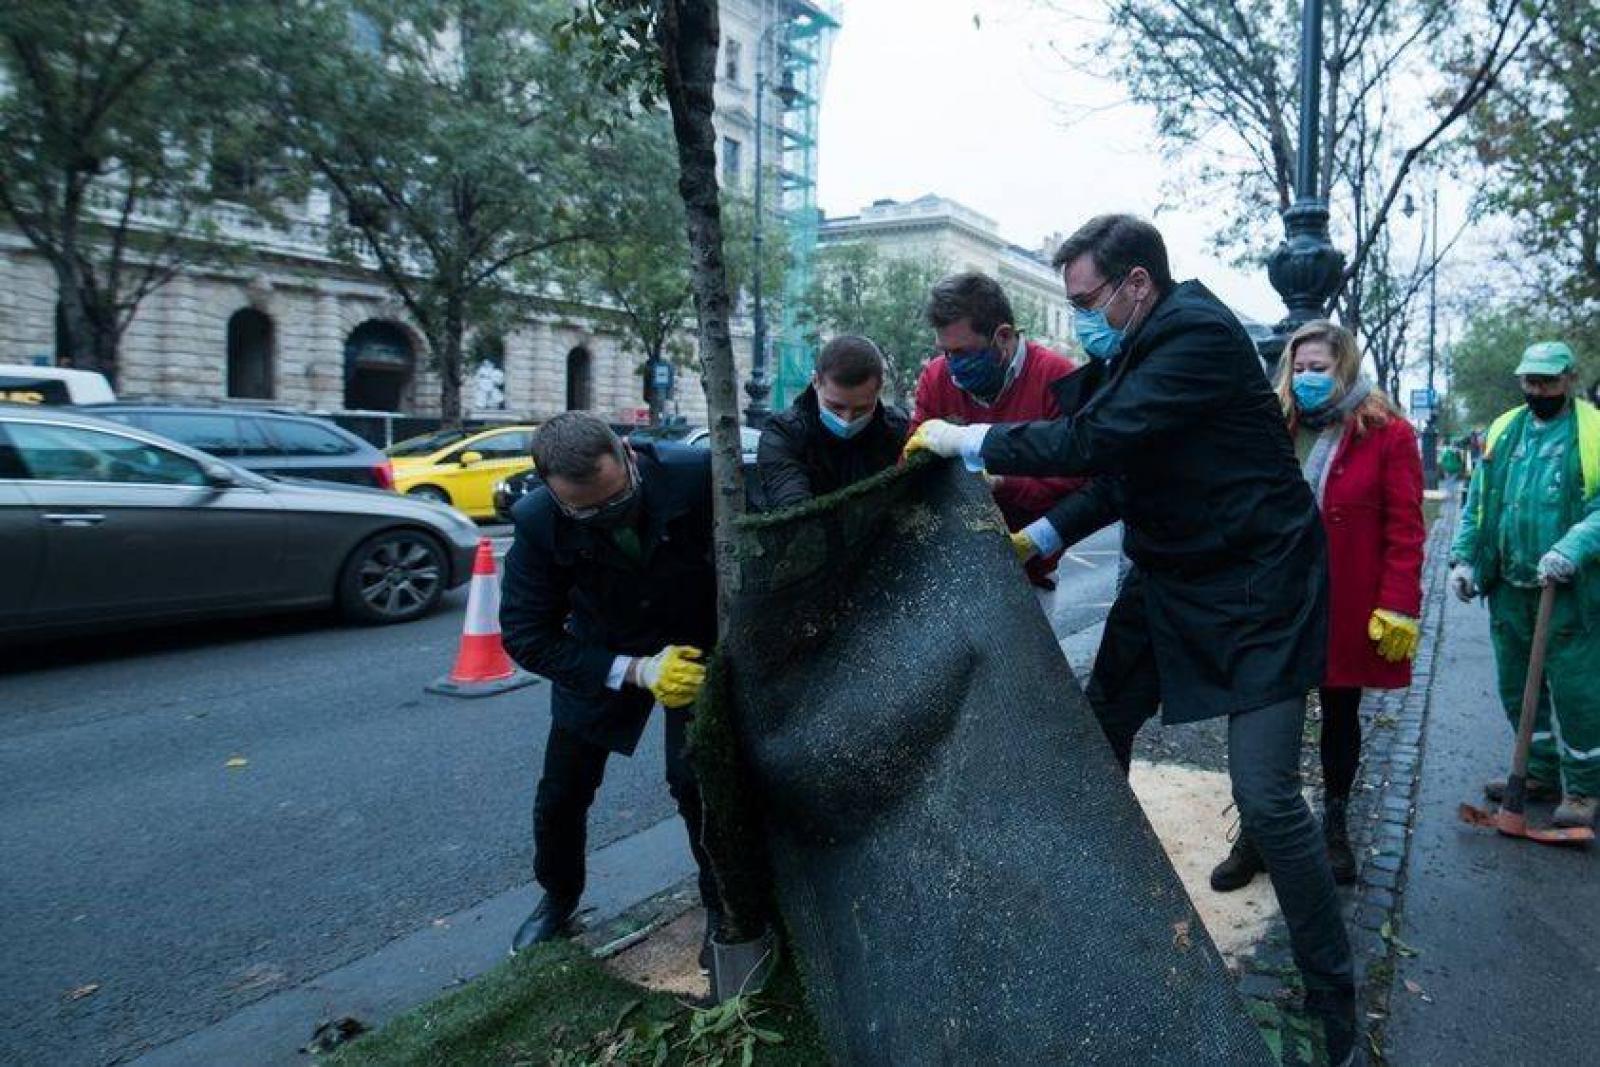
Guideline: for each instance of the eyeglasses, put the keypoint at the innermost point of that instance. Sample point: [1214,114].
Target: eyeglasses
[618,503]
[1086,301]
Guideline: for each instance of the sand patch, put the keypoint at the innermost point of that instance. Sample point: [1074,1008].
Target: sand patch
[667,960]
[1186,806]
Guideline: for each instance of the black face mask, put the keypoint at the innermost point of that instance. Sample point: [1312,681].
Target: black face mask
[1545,408]
[613,516]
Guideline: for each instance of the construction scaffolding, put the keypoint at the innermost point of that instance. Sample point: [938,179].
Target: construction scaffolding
[801,67]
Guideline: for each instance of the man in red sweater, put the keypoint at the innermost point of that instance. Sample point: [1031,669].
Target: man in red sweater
[986,373]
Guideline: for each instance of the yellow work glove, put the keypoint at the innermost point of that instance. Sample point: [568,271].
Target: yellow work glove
[1397,635]
[1023,546]
[673,675]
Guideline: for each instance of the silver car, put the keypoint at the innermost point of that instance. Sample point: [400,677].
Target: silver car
[104,525]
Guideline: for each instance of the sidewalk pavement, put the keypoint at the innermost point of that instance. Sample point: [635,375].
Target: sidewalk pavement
[1506,934]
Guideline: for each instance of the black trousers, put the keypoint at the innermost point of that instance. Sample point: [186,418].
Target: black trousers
[1264,767]
[573,770]
[1340,740]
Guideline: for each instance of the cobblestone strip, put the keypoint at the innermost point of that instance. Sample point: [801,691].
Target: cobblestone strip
[1392,772]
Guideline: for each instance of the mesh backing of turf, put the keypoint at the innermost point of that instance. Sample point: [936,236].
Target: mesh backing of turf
[894,749]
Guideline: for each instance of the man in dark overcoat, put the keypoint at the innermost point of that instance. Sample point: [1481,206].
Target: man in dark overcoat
[610,593]
[1225,610]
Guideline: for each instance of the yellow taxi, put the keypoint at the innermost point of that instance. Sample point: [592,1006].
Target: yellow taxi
[461,467]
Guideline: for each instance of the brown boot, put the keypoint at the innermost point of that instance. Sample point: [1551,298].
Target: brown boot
[1576,811]
[1495,790]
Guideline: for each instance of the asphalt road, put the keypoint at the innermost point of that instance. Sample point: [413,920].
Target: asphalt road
[137,862]
[150,889]
[1505,933]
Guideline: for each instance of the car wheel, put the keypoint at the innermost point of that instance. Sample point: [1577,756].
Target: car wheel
[429,492]
[394,576]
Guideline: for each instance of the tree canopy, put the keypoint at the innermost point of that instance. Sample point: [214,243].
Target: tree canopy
[120,127]
[857,290]
[458,148]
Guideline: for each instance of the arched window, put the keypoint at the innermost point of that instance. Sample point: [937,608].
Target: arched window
[250,354]
[378,364]
[580,379]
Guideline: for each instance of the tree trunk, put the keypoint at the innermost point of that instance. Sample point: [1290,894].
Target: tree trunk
[689,35]
[653,396]
[88,338]
[449,350]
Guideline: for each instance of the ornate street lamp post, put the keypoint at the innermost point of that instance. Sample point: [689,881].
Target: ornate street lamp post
[1430,429]
[1305,268]
[758,387]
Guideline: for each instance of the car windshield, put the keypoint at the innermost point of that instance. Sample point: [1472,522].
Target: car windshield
[427,444]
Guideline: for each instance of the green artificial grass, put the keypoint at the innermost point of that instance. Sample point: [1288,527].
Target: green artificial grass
[766,520]
[556,1006]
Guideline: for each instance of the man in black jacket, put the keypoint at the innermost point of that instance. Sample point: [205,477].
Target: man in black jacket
[1225,612]
[610,593]
[835,433]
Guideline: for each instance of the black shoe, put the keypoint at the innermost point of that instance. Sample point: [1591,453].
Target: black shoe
[1241,866]
[1336,834]
[1341,1032]
[1495,790]
[548,922]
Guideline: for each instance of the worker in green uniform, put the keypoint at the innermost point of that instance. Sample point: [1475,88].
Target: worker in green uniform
[1532,518]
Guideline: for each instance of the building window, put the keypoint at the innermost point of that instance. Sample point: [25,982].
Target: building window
[730,61]
[580,380]
[250,355]
[731,152]
[378,364]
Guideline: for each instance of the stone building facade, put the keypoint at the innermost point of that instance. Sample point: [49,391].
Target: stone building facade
[938,229]
[289,323]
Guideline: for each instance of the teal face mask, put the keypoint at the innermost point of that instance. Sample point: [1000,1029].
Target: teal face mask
[1312,389]
[843,428]
[1094,331]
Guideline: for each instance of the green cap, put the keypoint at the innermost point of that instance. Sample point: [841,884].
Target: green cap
[1547,357]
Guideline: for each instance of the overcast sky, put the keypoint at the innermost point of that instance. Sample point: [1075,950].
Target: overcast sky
[920,100]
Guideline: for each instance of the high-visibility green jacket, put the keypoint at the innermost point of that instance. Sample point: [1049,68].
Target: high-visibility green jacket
[1568,504]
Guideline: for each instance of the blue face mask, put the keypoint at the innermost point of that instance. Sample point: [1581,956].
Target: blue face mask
[1097,336]
[1094,331]
[979,373]
[1312,389]
[842,428]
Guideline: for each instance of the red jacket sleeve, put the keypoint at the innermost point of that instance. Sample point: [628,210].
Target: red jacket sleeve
[1400,587]
[1035,496]
[922,403]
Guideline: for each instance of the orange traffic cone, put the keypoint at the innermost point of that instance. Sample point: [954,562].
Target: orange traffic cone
[482,666]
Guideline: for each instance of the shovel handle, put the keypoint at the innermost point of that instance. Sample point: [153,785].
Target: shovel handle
[1516,786]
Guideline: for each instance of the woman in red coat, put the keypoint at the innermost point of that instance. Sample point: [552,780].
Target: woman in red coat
[1360,456]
